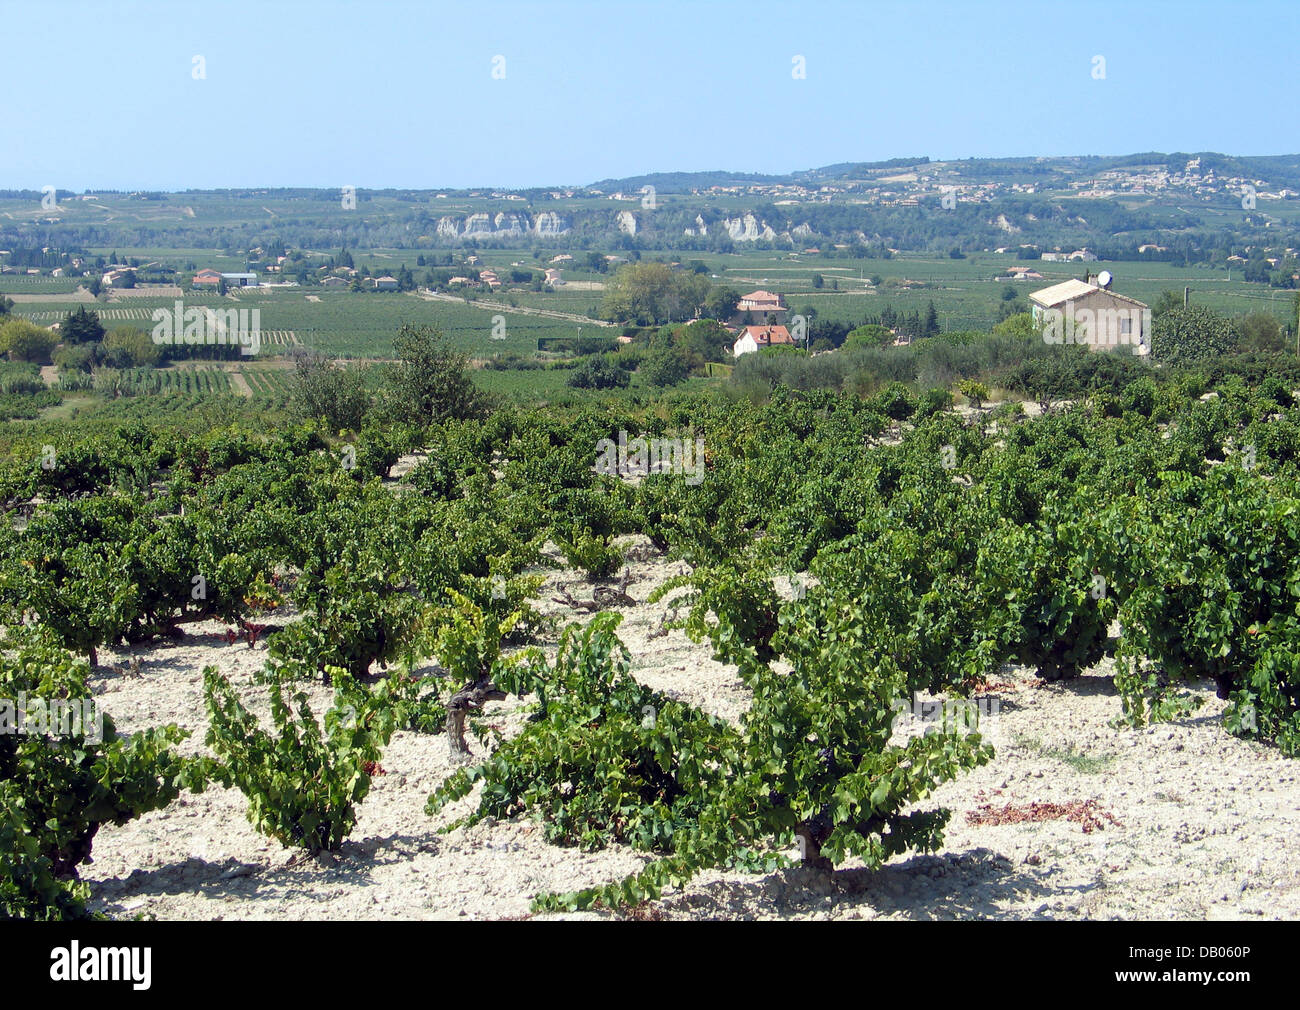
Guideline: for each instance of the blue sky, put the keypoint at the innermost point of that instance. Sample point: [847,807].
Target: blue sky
[387,94]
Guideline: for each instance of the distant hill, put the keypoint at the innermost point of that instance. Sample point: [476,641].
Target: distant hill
[1282,170]
[684,182]
[1180,207]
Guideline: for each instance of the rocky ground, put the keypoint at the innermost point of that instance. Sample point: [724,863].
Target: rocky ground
[1181,821]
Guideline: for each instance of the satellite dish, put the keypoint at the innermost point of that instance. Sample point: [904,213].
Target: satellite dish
[1104,278]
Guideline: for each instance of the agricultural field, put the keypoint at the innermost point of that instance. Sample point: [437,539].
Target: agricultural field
[664,617]
[342,324]
[701,685]
[964,292]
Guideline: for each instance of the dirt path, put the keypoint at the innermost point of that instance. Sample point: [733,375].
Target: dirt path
[239,384]
[50,374]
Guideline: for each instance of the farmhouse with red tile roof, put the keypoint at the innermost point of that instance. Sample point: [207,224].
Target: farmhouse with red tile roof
[760,301]
[754,337]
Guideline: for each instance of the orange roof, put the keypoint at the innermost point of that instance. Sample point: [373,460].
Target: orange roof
[767,335]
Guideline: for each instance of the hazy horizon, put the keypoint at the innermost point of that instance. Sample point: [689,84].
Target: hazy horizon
[633,175]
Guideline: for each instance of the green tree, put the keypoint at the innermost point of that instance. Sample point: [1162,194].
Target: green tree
[130,347]
[870,335]
[431,381]
[1021,325]
[598,373]
[24,341]
[720,303]
[323,389]
[1260,331]
[1167,300]
[81,327]
[666,367]
[708,339]
[1193,333]
[652,293]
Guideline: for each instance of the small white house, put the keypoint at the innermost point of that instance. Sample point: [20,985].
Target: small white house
[754,337]
[1081,312]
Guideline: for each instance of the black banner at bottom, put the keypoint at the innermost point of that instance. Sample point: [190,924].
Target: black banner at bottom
[260,959]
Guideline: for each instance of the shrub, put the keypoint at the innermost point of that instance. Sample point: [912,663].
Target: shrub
[130,348]
[302,783]
[1193,333]
[666,367]
[75,358]
[974,391]
[933,401]
[598,373]
[597,759]
[1277,390]
[894,401]
[24,341]
[593,554]
[811,762]
[1205,570]
[63,787]
[1140,396]
[323,389]
[28,887]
